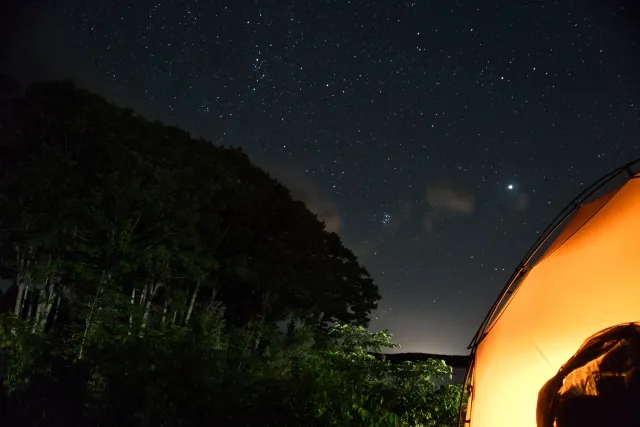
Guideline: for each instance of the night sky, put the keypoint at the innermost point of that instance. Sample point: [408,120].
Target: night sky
[437,138]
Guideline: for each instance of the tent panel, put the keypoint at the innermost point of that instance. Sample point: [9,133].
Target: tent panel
[587,284]
[576,221]
[581,216]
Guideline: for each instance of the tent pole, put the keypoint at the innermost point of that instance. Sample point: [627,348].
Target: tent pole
[463,415]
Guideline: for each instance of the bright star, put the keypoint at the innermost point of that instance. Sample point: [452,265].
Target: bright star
[510,186]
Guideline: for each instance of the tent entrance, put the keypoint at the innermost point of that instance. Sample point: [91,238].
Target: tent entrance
[599,385]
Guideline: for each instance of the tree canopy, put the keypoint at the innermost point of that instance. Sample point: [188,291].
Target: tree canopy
[93,195]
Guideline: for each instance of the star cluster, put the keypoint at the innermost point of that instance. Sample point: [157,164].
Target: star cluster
[437,138]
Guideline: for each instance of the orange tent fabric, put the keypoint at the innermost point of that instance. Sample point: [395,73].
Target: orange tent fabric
[588,280]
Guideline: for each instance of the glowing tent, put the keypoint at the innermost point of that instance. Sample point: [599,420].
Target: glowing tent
[580,278]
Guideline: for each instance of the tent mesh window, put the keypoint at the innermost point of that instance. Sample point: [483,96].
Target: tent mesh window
[599,385]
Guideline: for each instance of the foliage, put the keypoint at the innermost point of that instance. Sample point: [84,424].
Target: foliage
[151,273]
[20,352]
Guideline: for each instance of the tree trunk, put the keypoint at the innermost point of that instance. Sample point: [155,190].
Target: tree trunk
[132,302]
[55,313]
[46,311]
[17,310]
[257,340]
[20,283]
[143,295]
[26,300]
[87,322]
[165,307]
[263,315]
[258,335]
[147,306]
[42,301]
[22,278]
[192,303]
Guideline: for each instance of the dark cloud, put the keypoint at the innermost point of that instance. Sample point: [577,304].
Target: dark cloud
[303,189]
[447,198]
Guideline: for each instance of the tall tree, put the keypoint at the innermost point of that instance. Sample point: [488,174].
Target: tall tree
[122,204]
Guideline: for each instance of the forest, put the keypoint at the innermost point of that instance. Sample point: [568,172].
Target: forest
[153,279]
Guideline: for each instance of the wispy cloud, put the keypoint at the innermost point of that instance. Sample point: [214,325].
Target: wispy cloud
[448,198]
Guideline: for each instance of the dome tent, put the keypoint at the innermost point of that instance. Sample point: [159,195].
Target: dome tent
[599,385]
[581,277]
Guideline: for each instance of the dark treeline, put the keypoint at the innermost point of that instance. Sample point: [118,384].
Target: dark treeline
[162,280]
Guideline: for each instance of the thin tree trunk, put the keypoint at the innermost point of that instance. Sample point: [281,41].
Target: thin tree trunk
[265,303]
[17,310]
[87,325]
[22,278]
[49,288]
[132,302]
[55,313]
[20,283]
[43,303]
[258,335]
[26,300]
[46,312]
[39,309]
[164,312]
[34,302]
[143,295]
[192,303]
[147,306]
